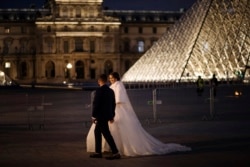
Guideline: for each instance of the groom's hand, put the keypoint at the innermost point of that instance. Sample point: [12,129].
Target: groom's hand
[94,120]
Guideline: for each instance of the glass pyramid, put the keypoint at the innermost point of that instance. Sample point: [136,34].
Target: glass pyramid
[212,37]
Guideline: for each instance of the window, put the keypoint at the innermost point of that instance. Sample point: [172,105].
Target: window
[64,12]
[92,28]
[140,46]
[126,46]
[125,30]
[7,44]
[23,30]
[22,48]
[23,72]
[71,11]
[65,28]
[50,46]
[153,41]
[91,12]
[78,12]
[108,67]
[140,30]
[108,44]
[127,65]
[48,29]
[107,29]
[66,47]
[50,69]
[7,30]
[79,69]
[23,44]
[154,30]
[92,46]
[78,45]
[92,73]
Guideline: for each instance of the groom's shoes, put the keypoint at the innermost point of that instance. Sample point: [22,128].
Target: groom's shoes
[96,155]
[114,156]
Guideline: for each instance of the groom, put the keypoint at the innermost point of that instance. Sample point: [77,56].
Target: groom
[104,111]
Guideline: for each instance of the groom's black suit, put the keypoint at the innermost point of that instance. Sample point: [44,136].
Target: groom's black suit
[103,112]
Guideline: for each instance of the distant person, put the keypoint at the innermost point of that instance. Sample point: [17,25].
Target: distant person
[103,111]
[200,86]
[128,133]
[214,84]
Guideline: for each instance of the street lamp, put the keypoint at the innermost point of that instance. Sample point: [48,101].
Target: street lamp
[2,78]
[7,67]
[69,66]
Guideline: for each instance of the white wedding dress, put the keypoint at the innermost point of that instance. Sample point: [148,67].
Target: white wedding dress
[130,137]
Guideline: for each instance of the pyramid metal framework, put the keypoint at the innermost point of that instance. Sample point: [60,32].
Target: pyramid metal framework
[212,37]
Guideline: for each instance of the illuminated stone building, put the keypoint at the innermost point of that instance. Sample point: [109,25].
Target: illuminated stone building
[76,40]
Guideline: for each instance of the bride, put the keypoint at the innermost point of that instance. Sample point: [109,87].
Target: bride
[130,137]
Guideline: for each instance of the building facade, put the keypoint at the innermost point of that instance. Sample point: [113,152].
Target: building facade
[76,40]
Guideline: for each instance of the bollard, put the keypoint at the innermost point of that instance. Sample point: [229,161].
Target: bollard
[154,104]
[212,102]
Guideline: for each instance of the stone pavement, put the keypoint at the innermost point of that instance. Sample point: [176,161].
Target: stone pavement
[223,141]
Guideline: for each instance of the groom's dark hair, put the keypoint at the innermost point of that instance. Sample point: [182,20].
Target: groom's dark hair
[103,77]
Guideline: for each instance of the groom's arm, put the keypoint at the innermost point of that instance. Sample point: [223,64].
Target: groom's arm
[96,105]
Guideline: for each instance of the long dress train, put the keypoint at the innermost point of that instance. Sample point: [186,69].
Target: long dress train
[129,135]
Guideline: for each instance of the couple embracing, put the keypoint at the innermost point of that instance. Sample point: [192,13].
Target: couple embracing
[115,121]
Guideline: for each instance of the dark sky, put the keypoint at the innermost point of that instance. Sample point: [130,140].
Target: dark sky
[113,4]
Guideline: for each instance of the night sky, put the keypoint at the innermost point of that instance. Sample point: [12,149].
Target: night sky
[113,4]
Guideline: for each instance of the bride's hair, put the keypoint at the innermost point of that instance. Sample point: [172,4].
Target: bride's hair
[116,75]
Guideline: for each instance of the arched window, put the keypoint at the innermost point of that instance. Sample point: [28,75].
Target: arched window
[107,29]
[23,44]
[65,28]
[48,29]
[78,44]
[7,44]
[79,69]
[92,70]
[140,46]
[125,30]
[78,12]
[71,11]
[50,69]
[64,12]
[92,46]
[108,44]
[140,30]
[66,46]
[92,28]
[49,42]
[126,45]
[127,65]
[91,12]
[108,67]
[153,41]
[154,30]
[23,70]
